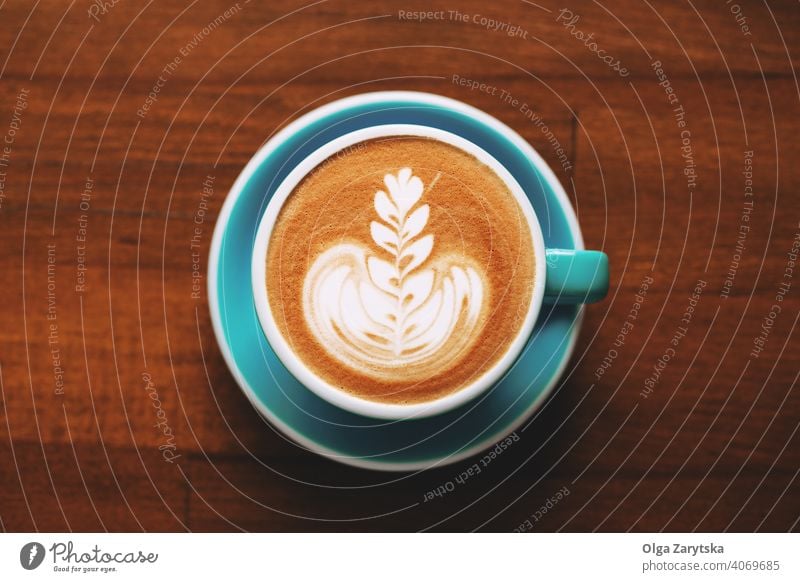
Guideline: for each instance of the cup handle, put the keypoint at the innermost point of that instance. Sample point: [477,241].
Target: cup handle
[575,276]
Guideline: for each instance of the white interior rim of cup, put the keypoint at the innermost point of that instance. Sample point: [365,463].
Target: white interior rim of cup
[318,385]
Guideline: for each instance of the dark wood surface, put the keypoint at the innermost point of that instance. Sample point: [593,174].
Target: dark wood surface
[714,447]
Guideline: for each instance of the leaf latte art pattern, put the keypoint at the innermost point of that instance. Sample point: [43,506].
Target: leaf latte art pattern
[397,305]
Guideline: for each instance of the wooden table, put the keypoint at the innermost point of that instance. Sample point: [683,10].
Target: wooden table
[101,187]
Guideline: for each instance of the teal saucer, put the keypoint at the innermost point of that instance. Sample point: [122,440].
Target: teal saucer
[313,422]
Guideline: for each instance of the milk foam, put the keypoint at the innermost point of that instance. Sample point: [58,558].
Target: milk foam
[396,304]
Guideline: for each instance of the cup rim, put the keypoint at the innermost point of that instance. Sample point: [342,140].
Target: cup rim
[300,370]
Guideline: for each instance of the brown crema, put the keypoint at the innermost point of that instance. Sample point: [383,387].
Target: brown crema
[474,283]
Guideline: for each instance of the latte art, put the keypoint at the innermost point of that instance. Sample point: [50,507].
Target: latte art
[400,270]
[396,305]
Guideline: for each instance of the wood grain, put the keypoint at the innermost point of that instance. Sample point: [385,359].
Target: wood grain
[714,447]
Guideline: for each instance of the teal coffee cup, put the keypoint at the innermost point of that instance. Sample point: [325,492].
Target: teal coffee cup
[325,419]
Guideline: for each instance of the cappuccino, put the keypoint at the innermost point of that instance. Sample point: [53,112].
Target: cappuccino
[400,269]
